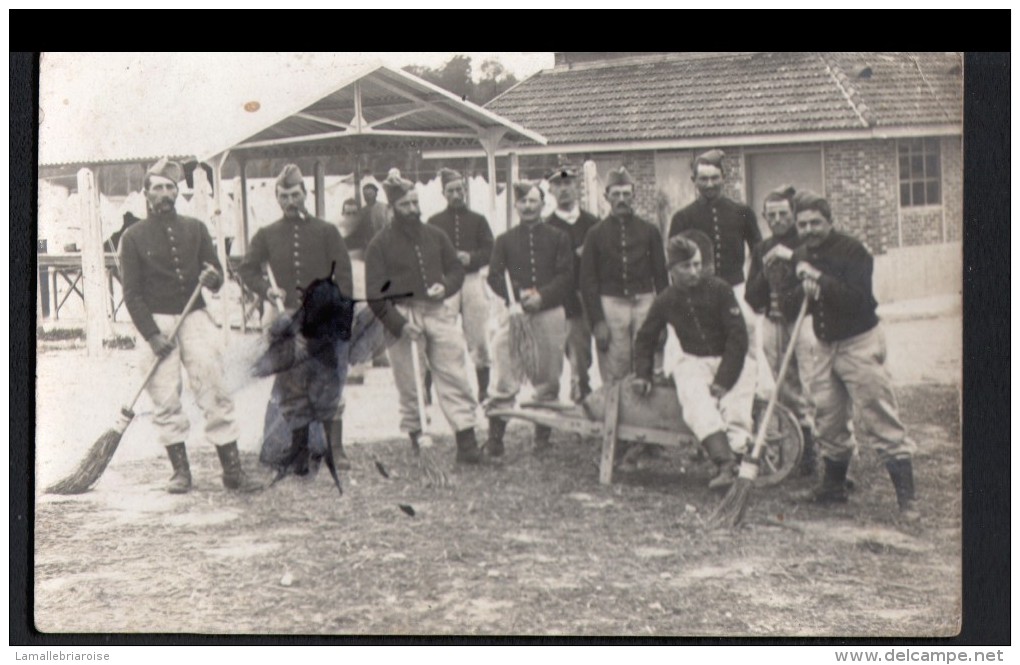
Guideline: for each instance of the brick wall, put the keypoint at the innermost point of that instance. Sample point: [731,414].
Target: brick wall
[921,226]
[733,168]
[861,184]
[952,186]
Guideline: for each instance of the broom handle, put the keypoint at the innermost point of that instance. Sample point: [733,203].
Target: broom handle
[759,439]
[509,289]
[418,387]
[173,333]
[277,301]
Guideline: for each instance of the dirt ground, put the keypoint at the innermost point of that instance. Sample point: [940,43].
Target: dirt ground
[528,546]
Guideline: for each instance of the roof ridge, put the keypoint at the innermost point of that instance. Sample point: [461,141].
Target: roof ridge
[842,82]
[664,56]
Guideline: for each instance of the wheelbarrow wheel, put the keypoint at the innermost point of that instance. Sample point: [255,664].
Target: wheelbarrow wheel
[784,444]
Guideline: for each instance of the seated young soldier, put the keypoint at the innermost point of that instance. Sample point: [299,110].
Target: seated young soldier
[713,392]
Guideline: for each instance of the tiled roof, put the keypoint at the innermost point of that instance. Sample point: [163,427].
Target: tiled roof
[673,96]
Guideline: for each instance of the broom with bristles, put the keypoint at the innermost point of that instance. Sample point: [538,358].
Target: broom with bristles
[426,463]
[101,452]
[523,346]
[730,512]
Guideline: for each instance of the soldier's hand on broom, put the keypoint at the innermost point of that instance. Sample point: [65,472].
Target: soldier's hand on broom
[531,301]
[809,276]
[601,332]
[210,277]
[437,291]
[160,345]
[413,331]
[642,387]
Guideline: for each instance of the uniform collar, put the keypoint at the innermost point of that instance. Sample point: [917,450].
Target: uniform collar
[571,216]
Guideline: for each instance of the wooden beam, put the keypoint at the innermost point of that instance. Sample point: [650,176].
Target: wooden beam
[92,264]
[432,106]
[325,121]
[397,116]
[880,133]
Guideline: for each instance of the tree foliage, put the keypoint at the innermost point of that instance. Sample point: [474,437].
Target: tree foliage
[456,76]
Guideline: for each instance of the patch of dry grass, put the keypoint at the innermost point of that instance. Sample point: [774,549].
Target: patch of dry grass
[527,546]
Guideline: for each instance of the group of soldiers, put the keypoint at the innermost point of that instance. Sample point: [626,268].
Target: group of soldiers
[578,279]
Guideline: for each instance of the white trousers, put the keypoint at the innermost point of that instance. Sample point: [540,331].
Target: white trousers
[704,414]
[197,348]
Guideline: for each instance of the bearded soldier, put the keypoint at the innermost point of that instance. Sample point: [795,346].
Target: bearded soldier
[163,259]
[412,273]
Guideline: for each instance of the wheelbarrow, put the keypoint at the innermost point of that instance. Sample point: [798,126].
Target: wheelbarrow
[616,413]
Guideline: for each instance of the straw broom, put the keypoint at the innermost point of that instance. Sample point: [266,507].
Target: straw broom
[91,468]
[426,463]
[730,512]
[523,346]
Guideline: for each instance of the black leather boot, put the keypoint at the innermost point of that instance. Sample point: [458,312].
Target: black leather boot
[336,437]
[834,486]
[542,434]
[299,453]
[717,445]
[234,477]
[467,447]
[180,482]
[483,383]
[902,473]
[809,459]
[494,443]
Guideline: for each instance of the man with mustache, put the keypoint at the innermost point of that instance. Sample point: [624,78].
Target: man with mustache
[299,249]
[163,258]
[540,262]
[711,382]
[623,266]
[730,225]
[412,273]
[569,218]
[770,283]
[472,238]
[850,379]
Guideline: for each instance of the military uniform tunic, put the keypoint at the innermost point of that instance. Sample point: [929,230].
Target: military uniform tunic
[161,258]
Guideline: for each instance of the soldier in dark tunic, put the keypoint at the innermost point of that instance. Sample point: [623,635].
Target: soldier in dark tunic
[299,249]
[712,384]
[730,225]
[769,281]
[163,259]
[850,379]
[472,238]
[412,273]
[540,262]
[575,222]
[623,266]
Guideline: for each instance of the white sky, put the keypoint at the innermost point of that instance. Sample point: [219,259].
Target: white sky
[104,105]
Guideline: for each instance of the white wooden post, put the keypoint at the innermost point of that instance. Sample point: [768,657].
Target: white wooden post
[221,240]
[514,175]
[93,269]
[592,194]
[490,139]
